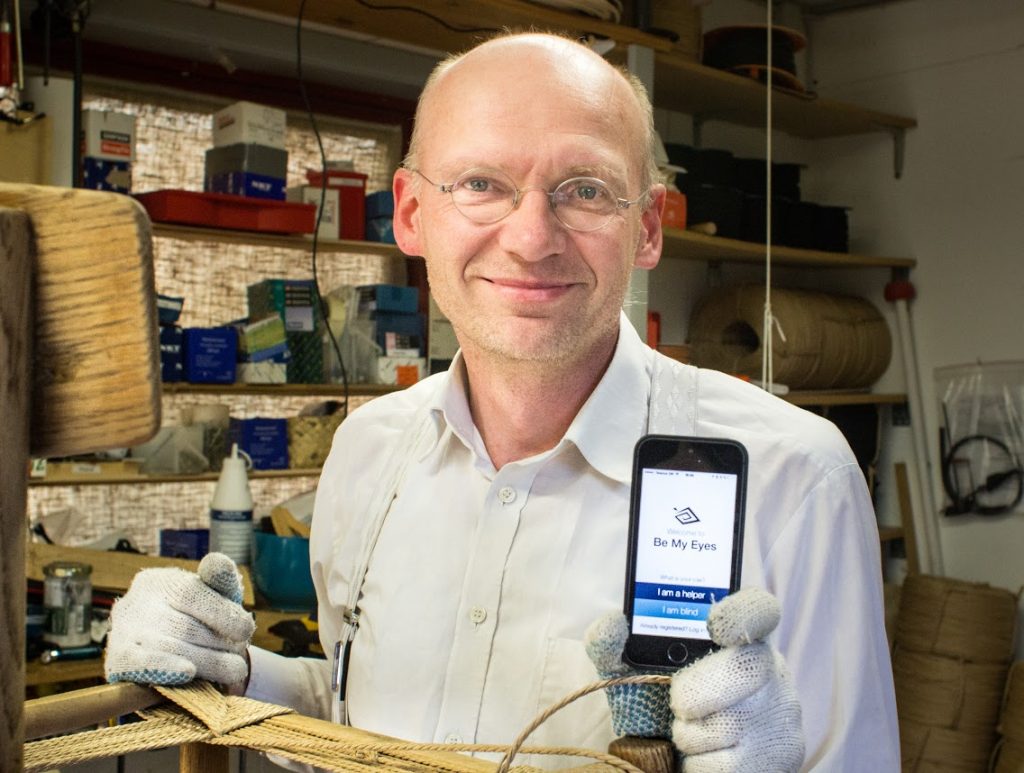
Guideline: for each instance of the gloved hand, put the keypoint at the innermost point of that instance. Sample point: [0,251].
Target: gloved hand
[735,710]
[173,626]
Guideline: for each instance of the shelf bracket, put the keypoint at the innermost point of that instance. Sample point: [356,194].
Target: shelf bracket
[899,140]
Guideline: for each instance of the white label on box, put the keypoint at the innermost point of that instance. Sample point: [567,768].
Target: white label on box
[249,122]
[108,136]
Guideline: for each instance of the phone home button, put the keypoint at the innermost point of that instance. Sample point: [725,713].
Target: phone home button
[677,653]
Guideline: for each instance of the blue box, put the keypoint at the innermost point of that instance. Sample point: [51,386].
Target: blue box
[168,309]
[210,354]
[172,356]
[388,298]
[102,175]
[255,186]
[184,543]
[403,324]
[265,440]
[276,353]
[380,204]
[380,229]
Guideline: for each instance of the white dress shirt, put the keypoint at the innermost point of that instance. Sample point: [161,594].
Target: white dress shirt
[483,581]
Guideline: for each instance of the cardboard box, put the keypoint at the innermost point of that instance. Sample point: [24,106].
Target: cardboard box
[294,300]
[330,222]
[265,440]
[256,186]
[388,298]
[101,175]
[400,371]
[210,355]
[351,188]
[261,334]
[246,169]
[108,136]
[392,322]
[249,122]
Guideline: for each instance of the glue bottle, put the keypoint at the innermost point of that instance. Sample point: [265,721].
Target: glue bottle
[231,510]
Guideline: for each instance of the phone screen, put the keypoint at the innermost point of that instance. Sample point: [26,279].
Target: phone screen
[685,545]
[685,534]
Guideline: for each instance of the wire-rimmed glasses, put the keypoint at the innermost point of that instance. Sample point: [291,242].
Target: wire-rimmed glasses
[488,195]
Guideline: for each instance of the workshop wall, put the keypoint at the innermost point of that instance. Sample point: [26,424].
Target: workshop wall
[959,69]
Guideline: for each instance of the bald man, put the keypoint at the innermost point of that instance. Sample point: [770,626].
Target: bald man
[468,530]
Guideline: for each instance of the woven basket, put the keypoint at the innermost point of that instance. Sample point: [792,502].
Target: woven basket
[957,619]
[309,439]
[1011,720]
[925,749]
[948,693]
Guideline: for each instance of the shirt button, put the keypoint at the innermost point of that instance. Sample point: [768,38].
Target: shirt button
[507,495]
[477,615]
[453,738]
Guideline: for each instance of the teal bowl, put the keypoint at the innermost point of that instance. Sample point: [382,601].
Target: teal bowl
[280,570]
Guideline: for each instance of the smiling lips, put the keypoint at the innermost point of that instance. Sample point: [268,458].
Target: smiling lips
[531,290]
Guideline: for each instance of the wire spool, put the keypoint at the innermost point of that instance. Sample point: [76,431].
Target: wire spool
[820,340]
[945,692]
[957,619]
[743,49]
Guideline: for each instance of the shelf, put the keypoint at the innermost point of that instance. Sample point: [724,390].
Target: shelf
[680,84]
[826,398]
[257,239]
[279,390]
[101,479]
[705,92]
[690,245]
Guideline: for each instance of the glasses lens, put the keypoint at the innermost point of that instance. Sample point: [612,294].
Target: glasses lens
[584,203]
[484,195]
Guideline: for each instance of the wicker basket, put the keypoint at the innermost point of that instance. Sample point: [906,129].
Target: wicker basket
[309,439]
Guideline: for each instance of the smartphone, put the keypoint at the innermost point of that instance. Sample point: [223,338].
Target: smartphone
[685,545]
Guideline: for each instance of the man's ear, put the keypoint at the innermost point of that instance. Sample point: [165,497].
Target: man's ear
[649,242]
[406,221]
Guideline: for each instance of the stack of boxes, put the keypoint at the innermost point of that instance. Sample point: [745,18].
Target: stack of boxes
[398,330]
[350,188]
[295,303]
[263,352]
[249,156]
[108,150]
[172,338]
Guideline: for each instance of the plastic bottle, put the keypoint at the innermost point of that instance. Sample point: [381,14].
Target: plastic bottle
[231,510]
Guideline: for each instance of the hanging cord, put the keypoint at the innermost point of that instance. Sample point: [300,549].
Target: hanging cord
[324,311]
[767,358]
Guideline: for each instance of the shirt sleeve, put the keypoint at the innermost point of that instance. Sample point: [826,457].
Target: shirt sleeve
[303,684]
[825,570]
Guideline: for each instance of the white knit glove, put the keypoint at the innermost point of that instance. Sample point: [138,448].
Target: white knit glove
[735,709]
[173,626]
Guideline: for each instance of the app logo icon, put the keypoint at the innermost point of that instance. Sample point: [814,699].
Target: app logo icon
[686,516]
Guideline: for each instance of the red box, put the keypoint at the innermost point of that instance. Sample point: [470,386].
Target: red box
[222,210]
[674,215]
[351,199]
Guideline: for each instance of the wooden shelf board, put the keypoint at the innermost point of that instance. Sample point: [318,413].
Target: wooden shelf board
[689,87]
[890,533]
[690,245]
[280,390]
[107,480]
[280,241]
[472,20]
[838,397]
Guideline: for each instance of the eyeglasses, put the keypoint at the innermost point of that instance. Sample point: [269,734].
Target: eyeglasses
[487,196]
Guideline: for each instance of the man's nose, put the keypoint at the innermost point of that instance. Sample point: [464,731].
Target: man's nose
[531,230]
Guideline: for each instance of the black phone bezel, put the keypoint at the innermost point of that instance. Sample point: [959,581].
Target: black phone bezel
[676,452]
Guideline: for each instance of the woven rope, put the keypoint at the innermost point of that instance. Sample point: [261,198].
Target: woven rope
[201,714]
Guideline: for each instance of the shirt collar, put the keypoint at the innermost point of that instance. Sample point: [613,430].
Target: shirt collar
[606,428]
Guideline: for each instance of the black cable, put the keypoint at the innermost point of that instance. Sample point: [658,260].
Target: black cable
[320,211]
[967,502]
[421,12]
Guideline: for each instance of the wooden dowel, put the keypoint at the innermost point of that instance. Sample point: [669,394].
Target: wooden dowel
[72,710]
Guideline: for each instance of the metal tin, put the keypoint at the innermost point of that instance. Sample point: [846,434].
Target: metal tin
[67,597]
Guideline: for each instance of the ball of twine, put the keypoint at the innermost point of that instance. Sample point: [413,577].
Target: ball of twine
[924,748]
[970,621]
[820,340]
[944,692]
[1011,719]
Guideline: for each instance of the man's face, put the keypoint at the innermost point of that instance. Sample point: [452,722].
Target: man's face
[527,287]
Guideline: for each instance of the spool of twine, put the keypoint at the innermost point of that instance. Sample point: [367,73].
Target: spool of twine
[925,749]
[958,619]
[820,341]
[1011,720]
[1009,757]
[944,692]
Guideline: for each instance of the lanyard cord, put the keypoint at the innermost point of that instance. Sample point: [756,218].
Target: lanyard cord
[767,374]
